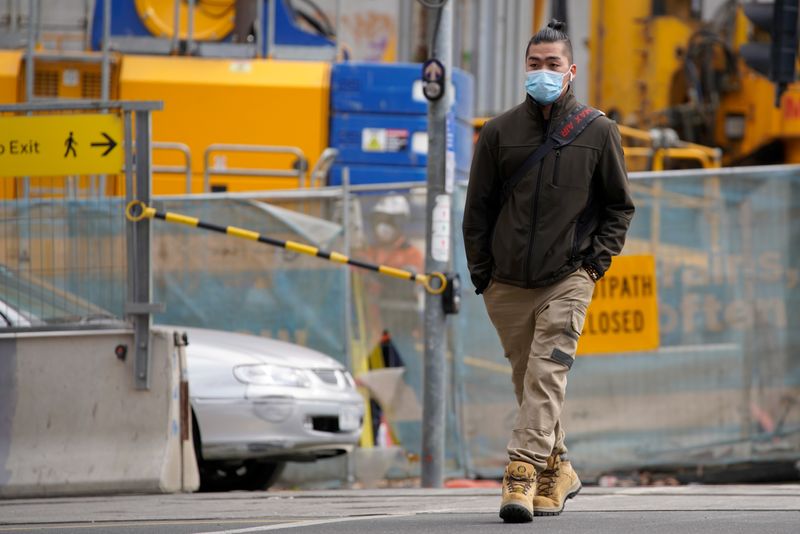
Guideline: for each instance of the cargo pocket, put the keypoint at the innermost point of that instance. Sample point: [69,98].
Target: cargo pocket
[564,352]
[577,318]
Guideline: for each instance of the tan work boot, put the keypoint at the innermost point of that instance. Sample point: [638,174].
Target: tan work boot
[557,483]
[519,487]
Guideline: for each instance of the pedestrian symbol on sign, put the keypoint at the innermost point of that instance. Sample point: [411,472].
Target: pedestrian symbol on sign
[70,144]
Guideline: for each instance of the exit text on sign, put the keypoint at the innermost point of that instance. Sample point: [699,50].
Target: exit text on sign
[60,145]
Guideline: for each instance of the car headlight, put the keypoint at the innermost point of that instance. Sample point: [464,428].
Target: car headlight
[271,375]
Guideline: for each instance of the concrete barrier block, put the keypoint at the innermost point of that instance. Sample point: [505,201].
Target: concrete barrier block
[72,422]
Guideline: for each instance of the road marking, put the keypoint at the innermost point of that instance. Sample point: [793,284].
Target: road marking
[143,523]
[310,523]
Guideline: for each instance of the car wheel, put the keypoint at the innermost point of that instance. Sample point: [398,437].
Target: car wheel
[249,475]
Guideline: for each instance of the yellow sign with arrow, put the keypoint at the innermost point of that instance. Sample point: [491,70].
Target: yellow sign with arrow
[61,145]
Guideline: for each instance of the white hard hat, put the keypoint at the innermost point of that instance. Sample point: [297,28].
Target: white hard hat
[393,205]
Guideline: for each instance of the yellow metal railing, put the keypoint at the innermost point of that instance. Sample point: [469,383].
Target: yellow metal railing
[707,157]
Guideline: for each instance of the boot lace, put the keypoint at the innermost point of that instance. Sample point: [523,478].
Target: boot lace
[547,481]
[518,485]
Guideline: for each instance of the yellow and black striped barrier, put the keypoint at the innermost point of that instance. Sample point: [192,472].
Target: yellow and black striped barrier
[136,210]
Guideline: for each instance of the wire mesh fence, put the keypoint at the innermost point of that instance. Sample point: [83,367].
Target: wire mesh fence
[62,258]
[724,386]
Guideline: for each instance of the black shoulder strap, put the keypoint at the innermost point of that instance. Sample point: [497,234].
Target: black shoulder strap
[565,133]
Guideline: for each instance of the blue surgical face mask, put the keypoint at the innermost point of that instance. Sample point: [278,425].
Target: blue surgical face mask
[544,86]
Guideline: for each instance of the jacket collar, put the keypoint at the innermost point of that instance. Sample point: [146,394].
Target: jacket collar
[561,107]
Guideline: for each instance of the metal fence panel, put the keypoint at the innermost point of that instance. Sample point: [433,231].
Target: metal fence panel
[215,281]
[211,280]
[62,260]
[725,385]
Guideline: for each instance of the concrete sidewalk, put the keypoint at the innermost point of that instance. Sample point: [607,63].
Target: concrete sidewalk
[706,509]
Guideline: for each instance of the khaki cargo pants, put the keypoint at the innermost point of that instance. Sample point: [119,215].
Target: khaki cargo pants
[539,330]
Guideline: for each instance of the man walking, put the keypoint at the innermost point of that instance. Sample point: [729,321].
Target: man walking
[547,207]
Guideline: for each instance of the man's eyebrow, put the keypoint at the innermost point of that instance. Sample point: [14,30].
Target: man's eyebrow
[548,58]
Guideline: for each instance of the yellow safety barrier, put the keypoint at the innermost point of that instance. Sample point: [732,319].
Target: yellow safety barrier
[136,211]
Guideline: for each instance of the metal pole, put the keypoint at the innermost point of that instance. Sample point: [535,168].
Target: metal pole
[87,26]
[29,77]
[141,265]
[130,195]
[13,13]
[189,27]
[405,18]
[38,35]
[484,45]
[437,258]
[176,27]
[348,303]
[271,29]
[506,59]
[348,292]
[105,84]
[458,35]
[29,66]
[259,28]
[338,23]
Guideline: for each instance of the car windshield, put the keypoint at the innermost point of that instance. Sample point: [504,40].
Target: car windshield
[27,301]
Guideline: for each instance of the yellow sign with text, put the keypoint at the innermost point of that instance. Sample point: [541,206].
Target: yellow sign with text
[623,315]
[60,145]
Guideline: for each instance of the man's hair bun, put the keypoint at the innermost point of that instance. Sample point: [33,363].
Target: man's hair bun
[554,32]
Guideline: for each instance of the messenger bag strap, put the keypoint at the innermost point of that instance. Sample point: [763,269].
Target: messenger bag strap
[566,132]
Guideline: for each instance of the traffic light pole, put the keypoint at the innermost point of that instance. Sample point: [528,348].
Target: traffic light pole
[437,246]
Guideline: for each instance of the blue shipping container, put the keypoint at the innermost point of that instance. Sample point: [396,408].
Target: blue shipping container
[394,88]
[366,138]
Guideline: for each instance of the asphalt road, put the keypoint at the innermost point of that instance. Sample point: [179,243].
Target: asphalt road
[687,509]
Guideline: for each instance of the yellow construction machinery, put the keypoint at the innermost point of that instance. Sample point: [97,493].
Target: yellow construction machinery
[234,117]
[657,64]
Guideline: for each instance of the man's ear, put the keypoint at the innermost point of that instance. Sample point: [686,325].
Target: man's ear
[573,70]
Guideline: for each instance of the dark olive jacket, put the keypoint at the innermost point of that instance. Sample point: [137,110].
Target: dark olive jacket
[573,208]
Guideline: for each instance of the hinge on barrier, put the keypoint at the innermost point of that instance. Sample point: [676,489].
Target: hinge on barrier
[144,308]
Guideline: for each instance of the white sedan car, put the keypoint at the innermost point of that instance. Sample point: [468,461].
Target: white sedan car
[258,403]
